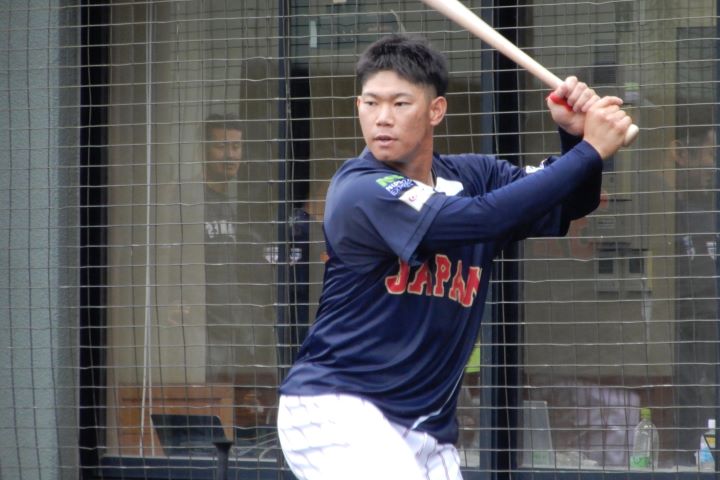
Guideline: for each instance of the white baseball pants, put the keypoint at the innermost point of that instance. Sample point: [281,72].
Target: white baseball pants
[343,437]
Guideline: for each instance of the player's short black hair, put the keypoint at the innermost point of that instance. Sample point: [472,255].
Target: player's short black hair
[694,135]
[411,57]
[223,121]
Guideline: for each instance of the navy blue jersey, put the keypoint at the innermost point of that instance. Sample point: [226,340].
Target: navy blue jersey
[408,273]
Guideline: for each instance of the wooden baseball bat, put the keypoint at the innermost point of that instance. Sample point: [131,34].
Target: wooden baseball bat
[463,16]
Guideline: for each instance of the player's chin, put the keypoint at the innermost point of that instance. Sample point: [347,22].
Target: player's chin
[385,154]
[385,157]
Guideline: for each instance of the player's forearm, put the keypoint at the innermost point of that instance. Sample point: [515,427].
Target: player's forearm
[586,196]
[555,223]
[585,199]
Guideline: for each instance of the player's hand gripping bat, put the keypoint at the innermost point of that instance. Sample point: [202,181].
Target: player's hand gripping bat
[463,16]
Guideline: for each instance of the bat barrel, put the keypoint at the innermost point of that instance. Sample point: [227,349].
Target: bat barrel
[466,18]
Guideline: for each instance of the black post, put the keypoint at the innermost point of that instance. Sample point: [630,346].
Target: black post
[487,80]
[506,292]
[93,236]
[223,455]
[283,106]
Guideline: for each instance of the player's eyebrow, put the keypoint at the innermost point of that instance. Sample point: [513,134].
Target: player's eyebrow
[392,96]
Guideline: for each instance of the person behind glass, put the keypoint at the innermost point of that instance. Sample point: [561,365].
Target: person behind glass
[696,306]
[411,237]
[223,154]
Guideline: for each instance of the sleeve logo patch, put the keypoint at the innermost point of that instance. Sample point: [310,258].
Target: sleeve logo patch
[529,169]
[395,184]
[417,196]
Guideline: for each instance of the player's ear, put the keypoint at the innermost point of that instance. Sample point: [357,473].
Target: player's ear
[678,153]
[438,108]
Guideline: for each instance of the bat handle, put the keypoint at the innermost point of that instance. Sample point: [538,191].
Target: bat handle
[630,134]
[557,100]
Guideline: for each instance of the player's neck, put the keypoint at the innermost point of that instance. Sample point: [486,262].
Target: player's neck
[217,187]
[417,166]
[426,179]
[420,171]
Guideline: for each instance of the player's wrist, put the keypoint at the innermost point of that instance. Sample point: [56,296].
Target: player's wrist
[603,150]
[570,131]
[570,124]
[568,140]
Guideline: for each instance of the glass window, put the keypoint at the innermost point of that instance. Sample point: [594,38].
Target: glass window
[193,178]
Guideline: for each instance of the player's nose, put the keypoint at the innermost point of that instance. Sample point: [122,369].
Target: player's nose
[234,153]
[385,115]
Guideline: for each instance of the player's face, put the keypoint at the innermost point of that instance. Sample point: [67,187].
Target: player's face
[397,117]
[224,152]
[702,162]
[696,164]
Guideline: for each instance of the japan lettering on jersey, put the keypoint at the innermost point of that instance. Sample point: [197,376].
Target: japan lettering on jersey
[447,281]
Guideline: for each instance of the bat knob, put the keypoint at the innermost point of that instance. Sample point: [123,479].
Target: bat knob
[631,134]
[556,99]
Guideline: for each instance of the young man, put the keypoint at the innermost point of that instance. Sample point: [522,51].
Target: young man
[223,155]
[411,237]
[696,307]
[238,301]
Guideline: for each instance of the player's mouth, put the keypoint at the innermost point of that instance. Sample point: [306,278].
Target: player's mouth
[384,140]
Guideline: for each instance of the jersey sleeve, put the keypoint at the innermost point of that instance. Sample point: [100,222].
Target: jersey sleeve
[376,214]
[517,204]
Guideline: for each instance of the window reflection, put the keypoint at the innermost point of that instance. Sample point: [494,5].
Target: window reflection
[631,322]
[192,177]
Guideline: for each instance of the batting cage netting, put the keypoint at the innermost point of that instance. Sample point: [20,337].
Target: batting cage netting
[163,169]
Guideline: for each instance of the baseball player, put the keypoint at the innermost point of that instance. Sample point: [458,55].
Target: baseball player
[411,237]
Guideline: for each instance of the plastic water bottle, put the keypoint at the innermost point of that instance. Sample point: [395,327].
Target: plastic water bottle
[646,443]
[706,462]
